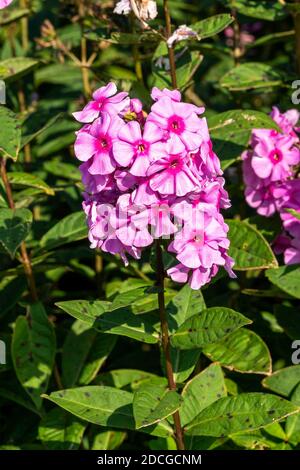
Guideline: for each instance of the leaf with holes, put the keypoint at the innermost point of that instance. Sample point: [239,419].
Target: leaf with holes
[209,326]
[201,391]
[153,402]
[247,411]
[242,351]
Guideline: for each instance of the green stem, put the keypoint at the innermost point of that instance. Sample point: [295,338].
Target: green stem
[170,49]
[165,339]
[297,35]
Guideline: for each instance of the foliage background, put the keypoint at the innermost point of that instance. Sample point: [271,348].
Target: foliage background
[47,349]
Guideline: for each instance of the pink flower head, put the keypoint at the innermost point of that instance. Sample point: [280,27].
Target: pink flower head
[97,144]
[104,99]
[290,199]
[273,155]
[171,174]
[286,121]
[136,150]
[153,176]
[179,119]
[292,253]
[5,3]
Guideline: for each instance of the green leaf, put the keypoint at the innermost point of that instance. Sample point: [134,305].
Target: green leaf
[287,278]
[59,430]
[13,391]
[201,391]
[248,247]
[261,9]
[292,427]
[142,299]
[121,378]
[84,352]
[62,170]
[33,351]
[11,290]
[247,411]
[212,25]
[29,138]
[10,134]
[230,132]
[251,76]
[283,381]
[70,229]
[242,351]
[185,304]
[208,327]
[16,67]
[10,16]
[28,179]
[266,438]
[14,228]
[108,440]
[119,322]
[186,65]
[153,402]
[104,406]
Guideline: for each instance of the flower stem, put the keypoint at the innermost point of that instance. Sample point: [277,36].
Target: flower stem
[165,338]
[170,49]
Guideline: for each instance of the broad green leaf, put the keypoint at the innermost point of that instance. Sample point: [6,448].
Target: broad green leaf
[121,378]
[212,25]
[292,427]
[12,391]
[59,74]
[153,402]
[247,411]
[230,132]
[28,179]
[10,16]
[251,76]
[142,299]
[84,352]
[33,351]
[186,65]
[287,278]
[248,247]
[207,327]
[119,322]
[62,170]
[202,390]
[104,406]
[108,440]
[261,9]
[10,134]
[16,67]
[70,229]
[29,138]
[266,438]
[185,304]
[59,430]
[283,381]
[11,290]
[242,351]
[14,228]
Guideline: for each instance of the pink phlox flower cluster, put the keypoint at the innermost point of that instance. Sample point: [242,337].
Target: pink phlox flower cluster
[153,176]
[4,3]
[270,169]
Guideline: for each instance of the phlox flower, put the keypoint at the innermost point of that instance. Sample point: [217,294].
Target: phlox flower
[273,154]
[105,99]
[182,34]
[179,119]
[286,121]
[97,144]
[136,150]
[123,7]
[5,3]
